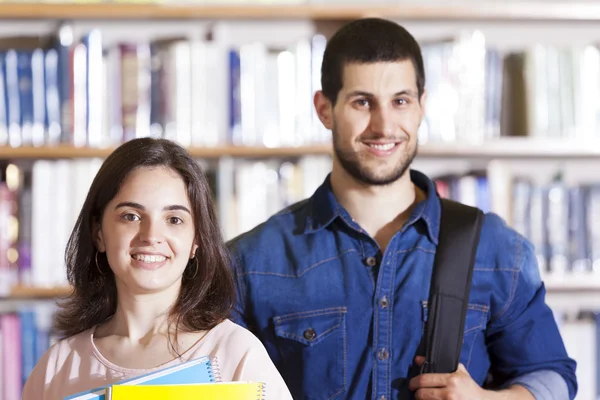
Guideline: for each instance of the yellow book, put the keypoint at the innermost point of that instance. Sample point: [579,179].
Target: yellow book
[203,391]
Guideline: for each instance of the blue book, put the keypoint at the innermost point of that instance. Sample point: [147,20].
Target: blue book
[199,370]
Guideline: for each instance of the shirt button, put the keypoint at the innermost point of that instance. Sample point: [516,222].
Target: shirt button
[371,261]
[309,334]
[384,302]
[382,354]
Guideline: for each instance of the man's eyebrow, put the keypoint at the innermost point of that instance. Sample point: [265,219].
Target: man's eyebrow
[361,93]
[408,92]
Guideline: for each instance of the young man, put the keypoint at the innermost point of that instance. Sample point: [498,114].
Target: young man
[336,286]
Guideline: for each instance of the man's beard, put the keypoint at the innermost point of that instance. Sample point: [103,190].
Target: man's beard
[352,163]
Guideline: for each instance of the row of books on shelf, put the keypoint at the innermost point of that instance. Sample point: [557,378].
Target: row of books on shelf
[219,90]
[560,220]
[26,334]
[41,200]
[198,92]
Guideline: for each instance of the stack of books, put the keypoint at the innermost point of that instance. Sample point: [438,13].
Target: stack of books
[194,379]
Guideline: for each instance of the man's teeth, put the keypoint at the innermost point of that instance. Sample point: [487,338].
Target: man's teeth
[383,147]
[149,259]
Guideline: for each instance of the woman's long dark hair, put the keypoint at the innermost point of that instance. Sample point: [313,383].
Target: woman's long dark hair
[206,297]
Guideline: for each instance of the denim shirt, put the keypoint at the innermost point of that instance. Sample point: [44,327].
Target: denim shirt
[342,320]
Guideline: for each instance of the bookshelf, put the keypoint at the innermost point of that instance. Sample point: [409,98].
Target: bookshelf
[59,152]
[513,24]
[475,11]
[25,292]
[504,148]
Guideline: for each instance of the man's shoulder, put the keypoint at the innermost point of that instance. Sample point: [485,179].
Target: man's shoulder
[287,223]
[501,244]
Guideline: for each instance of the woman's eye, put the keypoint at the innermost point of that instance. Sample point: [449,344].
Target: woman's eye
[130,217]
[175,220]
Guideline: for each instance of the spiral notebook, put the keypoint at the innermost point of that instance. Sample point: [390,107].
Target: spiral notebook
[210,391]
[199,370]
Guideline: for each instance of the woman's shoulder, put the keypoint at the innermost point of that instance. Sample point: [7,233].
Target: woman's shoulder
[53,361]
[229,332]
[241,356]
[227,339]
[63,347]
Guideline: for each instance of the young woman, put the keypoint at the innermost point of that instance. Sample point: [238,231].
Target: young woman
[151,282]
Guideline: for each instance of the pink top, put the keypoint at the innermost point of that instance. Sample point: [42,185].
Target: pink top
[74,364]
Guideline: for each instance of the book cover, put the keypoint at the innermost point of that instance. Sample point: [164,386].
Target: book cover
[220,391]
[200,370]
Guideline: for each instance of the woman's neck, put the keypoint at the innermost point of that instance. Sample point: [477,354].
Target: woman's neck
[139,317]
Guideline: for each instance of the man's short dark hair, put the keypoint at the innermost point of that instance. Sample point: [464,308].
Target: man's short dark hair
[368,40]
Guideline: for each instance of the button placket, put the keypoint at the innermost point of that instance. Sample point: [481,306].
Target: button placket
[371,261]
[383,354]
[384,302]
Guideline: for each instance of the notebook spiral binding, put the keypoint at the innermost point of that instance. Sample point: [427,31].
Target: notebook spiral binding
[215,370]
[262,391]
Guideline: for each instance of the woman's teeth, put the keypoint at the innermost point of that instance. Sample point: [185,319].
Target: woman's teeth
[149,259]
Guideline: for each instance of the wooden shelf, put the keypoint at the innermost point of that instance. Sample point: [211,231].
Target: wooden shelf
[199,152]
[514,147]
[506,148]
[572,283]
[466,10]
[22,292]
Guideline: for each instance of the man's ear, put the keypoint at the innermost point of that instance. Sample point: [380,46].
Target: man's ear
[423,103]
[98,238]
[324,109]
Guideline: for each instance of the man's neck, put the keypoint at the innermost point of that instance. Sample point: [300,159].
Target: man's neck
[380,210]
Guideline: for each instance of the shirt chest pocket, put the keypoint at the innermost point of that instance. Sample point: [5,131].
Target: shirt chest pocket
[475,323]
[313,347]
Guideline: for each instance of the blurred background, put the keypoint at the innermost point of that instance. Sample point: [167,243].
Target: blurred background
[512,126]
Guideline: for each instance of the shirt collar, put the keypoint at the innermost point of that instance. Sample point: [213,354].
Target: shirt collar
[324,207]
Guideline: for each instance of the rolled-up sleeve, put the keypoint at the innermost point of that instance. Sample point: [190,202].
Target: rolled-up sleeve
[544,385]
[524,342]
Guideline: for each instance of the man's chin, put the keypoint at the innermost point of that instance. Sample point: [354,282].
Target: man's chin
[378,178]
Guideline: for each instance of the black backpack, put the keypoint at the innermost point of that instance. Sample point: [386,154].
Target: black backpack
[460,227]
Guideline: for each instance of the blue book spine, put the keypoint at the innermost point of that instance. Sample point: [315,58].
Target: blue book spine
[3,100]
[65,82]
[53,102]
[38,97]
[13,104]
[28,343]
[483,194]
[235,105]
[25,83]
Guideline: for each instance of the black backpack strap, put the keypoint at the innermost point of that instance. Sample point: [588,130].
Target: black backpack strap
[460,227]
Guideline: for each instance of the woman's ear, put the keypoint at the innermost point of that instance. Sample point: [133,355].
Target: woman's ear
[99,238]
[194,248]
